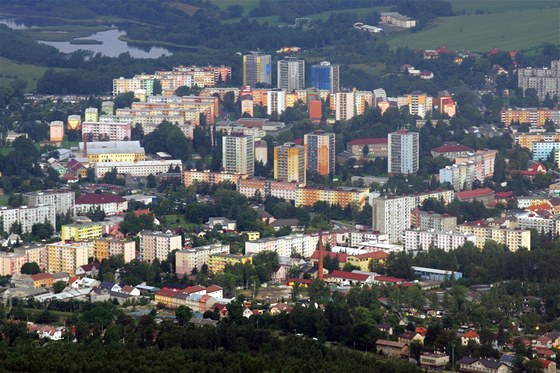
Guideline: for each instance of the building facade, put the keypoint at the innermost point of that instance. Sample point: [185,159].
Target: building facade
[403,150]
[416,239]
[320,148]
[257,68]
[27,216]
[62,257]
[291,74]
[289,163]
[325,76]
[188,259]
[238,153]
[158,245]
[106,131]
[545,81]
[62,200]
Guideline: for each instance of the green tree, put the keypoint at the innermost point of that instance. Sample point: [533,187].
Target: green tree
[151,181]
[30,268]
[318,291]
[183,314]
[59,286]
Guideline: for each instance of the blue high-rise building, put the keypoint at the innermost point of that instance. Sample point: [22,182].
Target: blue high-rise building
[325,76]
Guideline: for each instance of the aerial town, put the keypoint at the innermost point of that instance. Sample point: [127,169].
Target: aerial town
[272,206]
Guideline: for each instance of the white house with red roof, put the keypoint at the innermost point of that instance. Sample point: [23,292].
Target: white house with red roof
[348,278]
[111,204]
[471,335]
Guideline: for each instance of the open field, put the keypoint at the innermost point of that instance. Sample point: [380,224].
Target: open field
[10,71]
[247,5]
[500,6]
[507,31]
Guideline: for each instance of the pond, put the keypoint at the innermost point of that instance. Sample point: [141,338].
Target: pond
[104,42]
[110,46]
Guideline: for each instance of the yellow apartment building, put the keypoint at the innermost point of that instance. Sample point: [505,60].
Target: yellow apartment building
[81,232]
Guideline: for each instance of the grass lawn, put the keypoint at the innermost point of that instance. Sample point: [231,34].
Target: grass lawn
[507,31]
[500,6]
[171,222]
[247,5]
[62,316]
[10,71]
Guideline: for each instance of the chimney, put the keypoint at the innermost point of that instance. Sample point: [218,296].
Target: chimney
[321,254]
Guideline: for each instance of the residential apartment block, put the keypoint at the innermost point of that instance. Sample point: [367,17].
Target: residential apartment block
[188,259]
[532,116]
[207,176]
[393,215]
[103,248]
[321,150]
[301,244]
[34,253]
[158,245]
[546,81]
[62,257]
[11,263]
[514,239]
[139,168]
[251,187]
[27,216]
[290,163]
[325,76]
[218,262]
[415,239]
[343,196]
[344,105]
[429,220]
[238,153]
[291,74]
[403,151]
[257,68]
[81,231]
[106,131]
[419,103]
[460,176]
[56,131]
[62,200]
[542,150]
[526,140]
[483,160]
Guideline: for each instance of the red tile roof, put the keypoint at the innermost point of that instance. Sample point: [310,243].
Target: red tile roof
[504,194]
[375,255]
[193,289]
[474,193]
[452,149]
[347,275]
[369,141]
[389,279]
[471,334]
[168,293]
[41,276]
[97,199]
[213,288]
